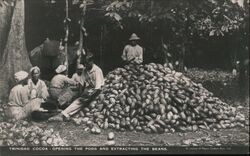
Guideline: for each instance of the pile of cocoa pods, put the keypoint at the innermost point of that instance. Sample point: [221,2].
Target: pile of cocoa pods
[155,99]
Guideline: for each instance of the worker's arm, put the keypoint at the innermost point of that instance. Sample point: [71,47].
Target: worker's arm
[82,88]
[139,58]
[74,77]
[70,81]
[11,97]
[99,79]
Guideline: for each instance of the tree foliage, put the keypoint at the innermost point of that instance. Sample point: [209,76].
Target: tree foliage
[190,17]
[203,18]
[176,24]
[181,21]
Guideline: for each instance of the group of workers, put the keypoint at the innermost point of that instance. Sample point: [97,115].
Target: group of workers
[69,94]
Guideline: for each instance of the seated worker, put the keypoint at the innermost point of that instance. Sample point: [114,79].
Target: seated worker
[78,78]
[37,87]
[60,87]
[94,80]
[20,105]
[133,53]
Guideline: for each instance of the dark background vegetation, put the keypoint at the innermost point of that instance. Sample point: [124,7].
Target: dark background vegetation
[107,41]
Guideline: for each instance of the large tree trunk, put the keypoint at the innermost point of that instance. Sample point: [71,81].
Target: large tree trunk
[15,56]
[5,18]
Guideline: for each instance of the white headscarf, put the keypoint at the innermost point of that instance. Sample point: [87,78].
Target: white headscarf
[60,69]
[21,75]
[35,68]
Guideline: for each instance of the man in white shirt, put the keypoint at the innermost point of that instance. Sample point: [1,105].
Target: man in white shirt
[133,53]
[37,87]
[92,74]
[93,77]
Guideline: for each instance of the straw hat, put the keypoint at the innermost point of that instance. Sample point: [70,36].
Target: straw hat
[134,37]
[60,69]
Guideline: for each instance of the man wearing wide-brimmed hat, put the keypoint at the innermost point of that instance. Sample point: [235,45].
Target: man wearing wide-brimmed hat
[133,53]
[20,105]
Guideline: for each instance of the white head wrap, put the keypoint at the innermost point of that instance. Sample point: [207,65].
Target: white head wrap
[21,75]
[35,68]
[60,69]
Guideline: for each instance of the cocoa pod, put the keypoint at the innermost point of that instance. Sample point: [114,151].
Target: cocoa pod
[153,128]
[160,122]
[148,118]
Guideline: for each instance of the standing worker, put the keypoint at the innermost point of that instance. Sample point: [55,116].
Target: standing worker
[133,53]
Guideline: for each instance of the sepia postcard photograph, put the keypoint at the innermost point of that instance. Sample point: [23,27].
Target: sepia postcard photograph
[122,77]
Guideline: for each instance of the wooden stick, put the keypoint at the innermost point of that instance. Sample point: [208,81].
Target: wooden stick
[83,12]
